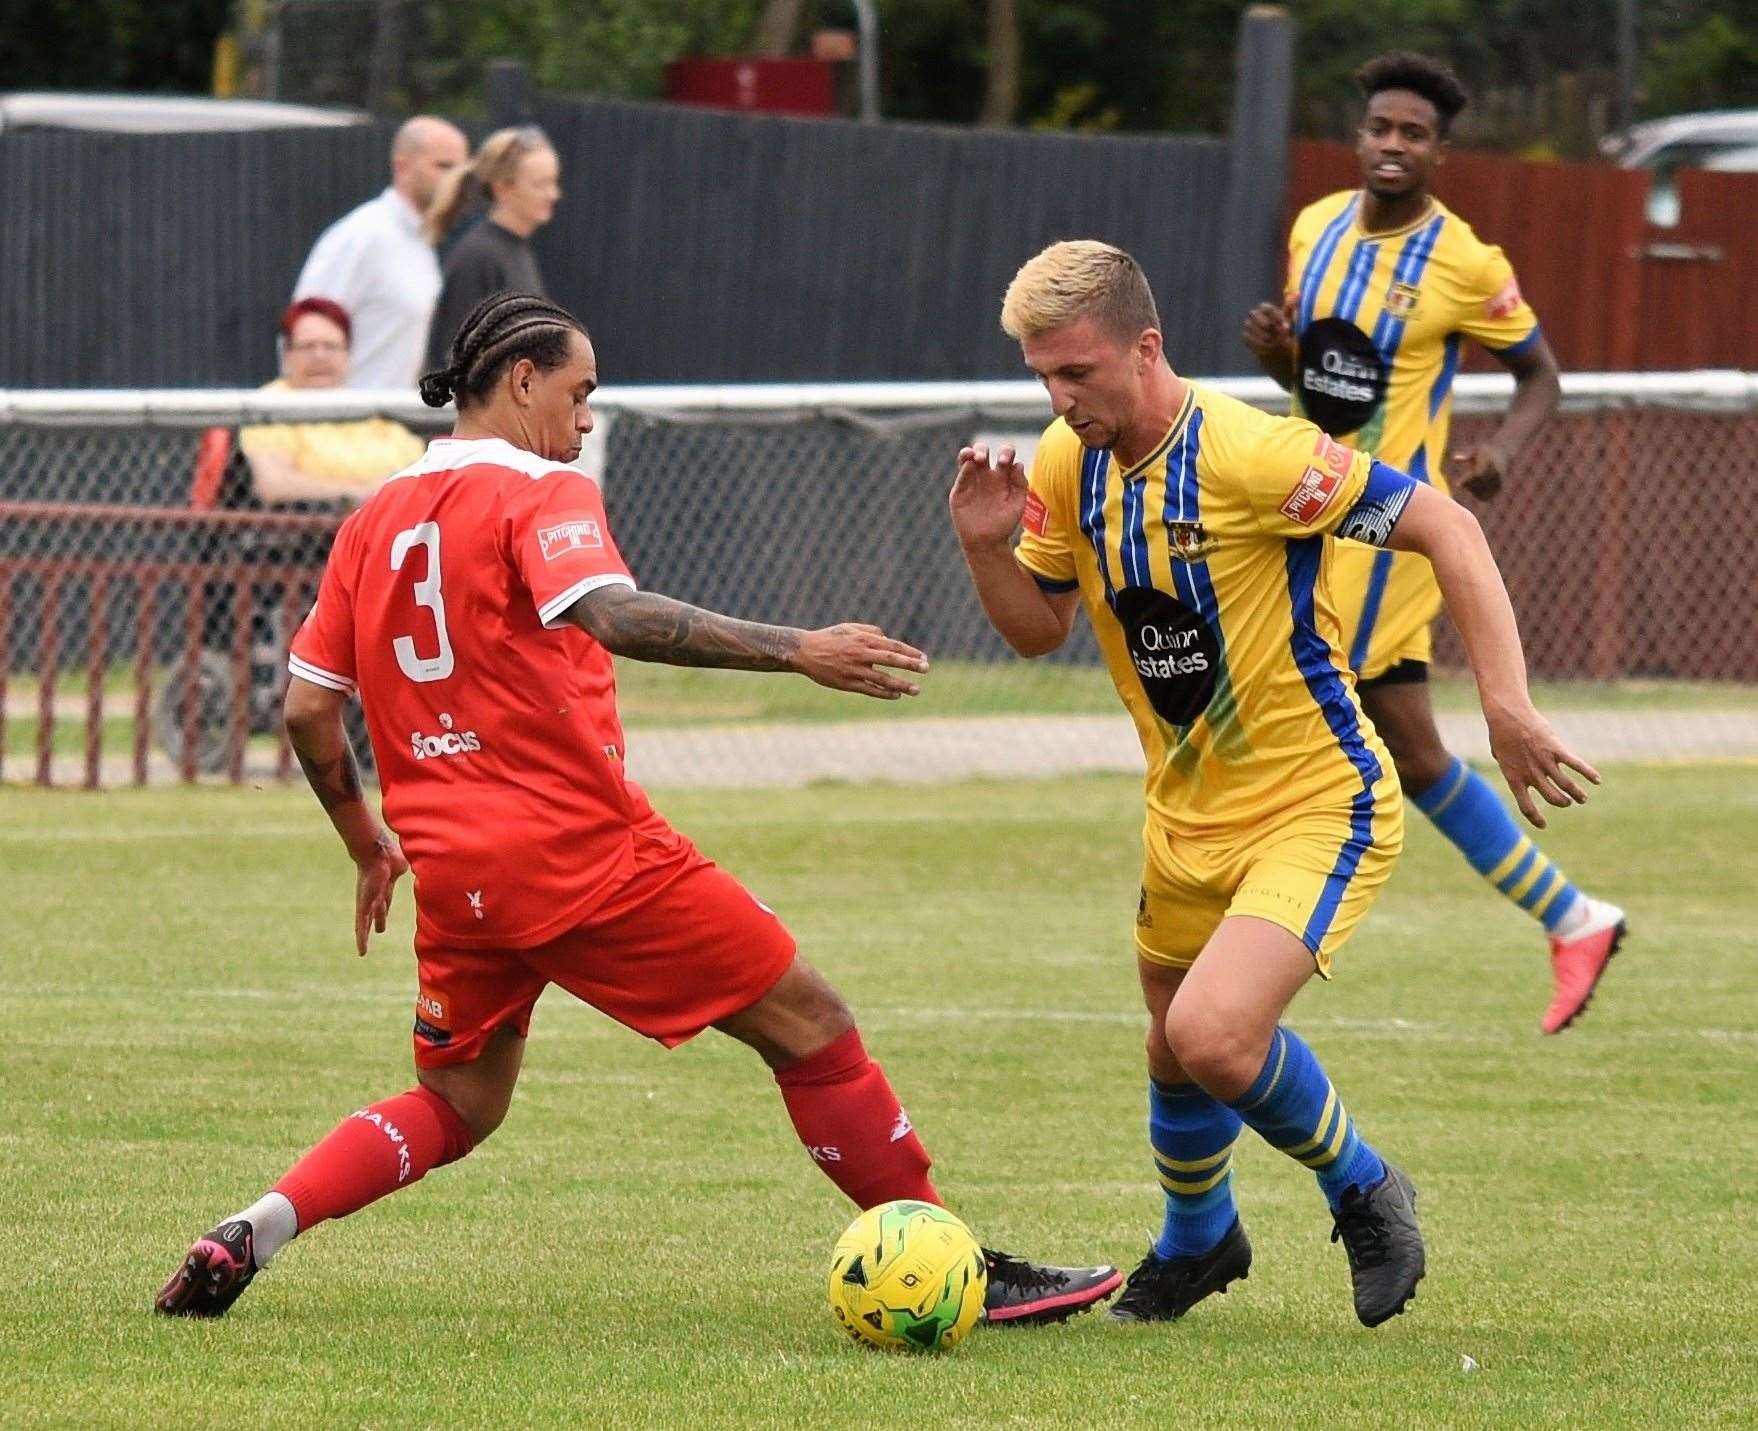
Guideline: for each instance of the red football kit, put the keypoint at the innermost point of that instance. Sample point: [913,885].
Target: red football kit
[500,754]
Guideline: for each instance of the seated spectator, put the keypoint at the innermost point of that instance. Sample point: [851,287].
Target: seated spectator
[326,462]
[517,175]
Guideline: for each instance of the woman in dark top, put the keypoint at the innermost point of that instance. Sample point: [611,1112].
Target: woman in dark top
[517,173]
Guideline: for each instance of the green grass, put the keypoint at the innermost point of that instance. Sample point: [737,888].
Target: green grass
[644,1243]
[652,695]
[118,739]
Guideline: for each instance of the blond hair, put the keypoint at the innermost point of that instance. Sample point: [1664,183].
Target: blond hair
[496,162]
[1076,279]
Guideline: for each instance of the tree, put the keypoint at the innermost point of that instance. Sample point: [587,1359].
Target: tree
[776,28]
[1001,94]
[1713,64]
[615,47]
[145,45]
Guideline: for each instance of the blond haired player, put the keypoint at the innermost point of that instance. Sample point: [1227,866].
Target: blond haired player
[1384,285]
[1196,532]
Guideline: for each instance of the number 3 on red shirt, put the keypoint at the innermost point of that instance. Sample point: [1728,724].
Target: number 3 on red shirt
[427,593]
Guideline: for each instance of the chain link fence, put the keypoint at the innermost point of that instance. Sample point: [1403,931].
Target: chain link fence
[146,599]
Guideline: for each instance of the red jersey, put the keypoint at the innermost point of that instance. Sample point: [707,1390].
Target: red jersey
[494,722]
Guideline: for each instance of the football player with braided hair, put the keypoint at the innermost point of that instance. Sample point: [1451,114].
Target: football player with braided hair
[476,601]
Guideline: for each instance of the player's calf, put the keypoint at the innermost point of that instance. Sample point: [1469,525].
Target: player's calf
[852,1125]
[374,1151]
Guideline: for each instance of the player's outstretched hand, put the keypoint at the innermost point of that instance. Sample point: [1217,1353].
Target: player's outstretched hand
[375,877]
[1533,757]
[1268,331]
[988,498]
[1479,470]
[855,656]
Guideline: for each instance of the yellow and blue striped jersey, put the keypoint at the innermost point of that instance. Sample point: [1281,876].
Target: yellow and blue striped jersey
[1379,320]
[1202,569]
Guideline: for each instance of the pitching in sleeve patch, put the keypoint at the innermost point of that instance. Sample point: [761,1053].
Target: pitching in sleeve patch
[1320,483]
[1037,515]
[1506,302]
[571,534]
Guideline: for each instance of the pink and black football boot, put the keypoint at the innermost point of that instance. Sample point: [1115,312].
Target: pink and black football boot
[214,1272]
[1025,1294]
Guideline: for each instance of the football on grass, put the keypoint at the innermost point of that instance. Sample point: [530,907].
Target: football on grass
[907,1276]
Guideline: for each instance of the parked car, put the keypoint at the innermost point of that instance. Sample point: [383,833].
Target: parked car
[1715,139]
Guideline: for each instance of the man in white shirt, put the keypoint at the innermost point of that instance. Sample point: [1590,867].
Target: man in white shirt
[377,264]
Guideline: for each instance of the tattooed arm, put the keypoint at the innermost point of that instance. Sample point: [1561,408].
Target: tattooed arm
[647,627]
[314,729]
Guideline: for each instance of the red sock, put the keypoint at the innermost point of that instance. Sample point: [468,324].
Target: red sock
[373,1152]
[853,1126]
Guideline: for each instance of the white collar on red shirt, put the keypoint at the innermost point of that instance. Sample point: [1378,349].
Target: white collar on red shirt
[448,454]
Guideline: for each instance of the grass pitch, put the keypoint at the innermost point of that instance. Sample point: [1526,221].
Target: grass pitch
[644,1243]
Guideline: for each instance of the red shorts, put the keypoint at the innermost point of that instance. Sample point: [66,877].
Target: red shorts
[677,948]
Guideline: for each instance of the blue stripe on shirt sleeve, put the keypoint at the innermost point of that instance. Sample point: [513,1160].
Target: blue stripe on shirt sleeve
[1515,349]
[1050,584]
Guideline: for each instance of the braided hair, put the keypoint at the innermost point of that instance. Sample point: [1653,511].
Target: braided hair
[501,329]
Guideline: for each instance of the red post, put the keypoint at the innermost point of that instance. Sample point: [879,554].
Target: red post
[94,681]
[146,607]
[189,714]
[1607,651]
[238,724]
[49,658]
[286,620]
[5,658]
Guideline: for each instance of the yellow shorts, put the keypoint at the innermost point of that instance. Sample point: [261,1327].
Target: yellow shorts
[1386,601]
[1315,874]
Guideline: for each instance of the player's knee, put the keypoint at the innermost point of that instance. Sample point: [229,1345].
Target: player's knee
[827,1019]
[479,1103]
[1420,766]
[796,1018]
[1415,746]
[811,1002]
[485,1117]
[1163,1064]
[482,1112]
[1214,1051]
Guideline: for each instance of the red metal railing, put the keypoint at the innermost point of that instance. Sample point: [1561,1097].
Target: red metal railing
[191,579]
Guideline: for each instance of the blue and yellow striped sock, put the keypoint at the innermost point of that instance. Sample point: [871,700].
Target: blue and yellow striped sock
[1293,1106]
[1192,1133]
[1465,808]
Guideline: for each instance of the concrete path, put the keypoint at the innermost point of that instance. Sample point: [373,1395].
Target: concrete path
[1006,747]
